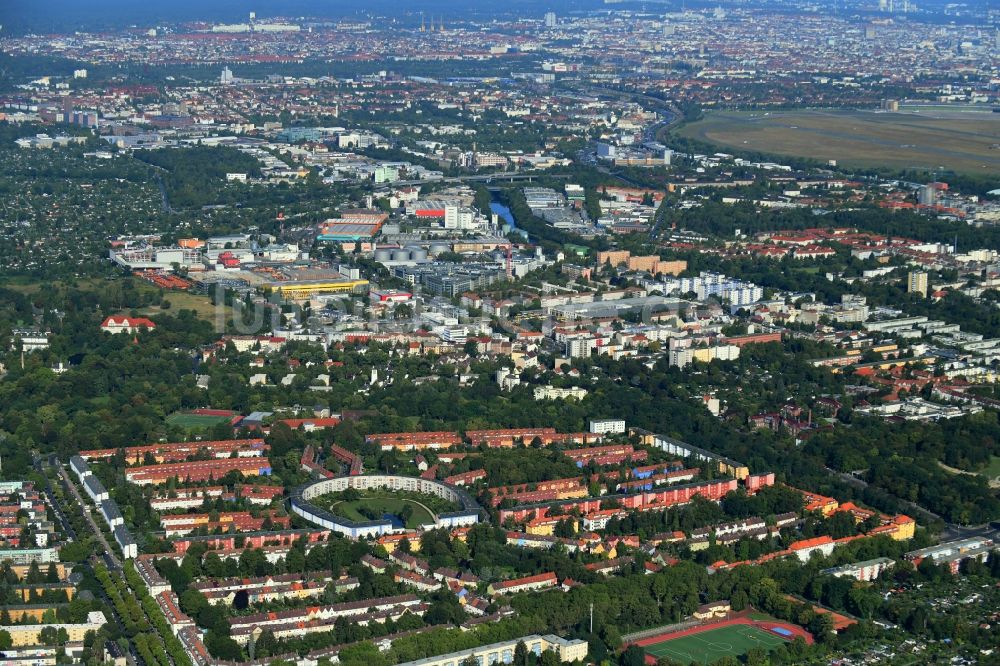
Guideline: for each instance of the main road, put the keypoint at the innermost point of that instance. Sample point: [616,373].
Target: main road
[109,553]
[131,656]
[57,509]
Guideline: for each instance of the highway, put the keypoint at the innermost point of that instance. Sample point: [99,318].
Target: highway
[482,178]
[911,506]
[671,116]
[951,531]
[167,208]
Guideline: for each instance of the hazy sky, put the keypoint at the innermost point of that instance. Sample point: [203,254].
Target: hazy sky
[61,15]
[42,16]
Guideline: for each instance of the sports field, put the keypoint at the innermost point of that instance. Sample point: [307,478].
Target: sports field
[191,422]
[708,643]
[963,139]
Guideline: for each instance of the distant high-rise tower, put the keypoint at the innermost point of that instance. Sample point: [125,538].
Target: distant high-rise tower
[550,19]
[227,76]
[927,195]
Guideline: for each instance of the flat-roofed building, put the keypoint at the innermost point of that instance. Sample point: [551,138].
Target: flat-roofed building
[26,556]
[605,426]
[30,634]
[862,571]
[568,650]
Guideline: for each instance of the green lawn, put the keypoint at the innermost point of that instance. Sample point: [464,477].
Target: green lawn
[191,422]
[992,470]
[372,503]
[708,646]
[391,505]
[183,300]
[179,300]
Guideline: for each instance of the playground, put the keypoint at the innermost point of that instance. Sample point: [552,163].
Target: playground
[706,643]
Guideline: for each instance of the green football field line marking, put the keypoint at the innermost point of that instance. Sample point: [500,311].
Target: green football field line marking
[679,653]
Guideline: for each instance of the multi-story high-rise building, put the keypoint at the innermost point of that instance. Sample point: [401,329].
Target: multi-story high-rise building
[227,76]
[550,19]
[927,195]
[916,283]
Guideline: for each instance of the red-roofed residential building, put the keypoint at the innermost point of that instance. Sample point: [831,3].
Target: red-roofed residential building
[814,252]
[311,424]
[228,542]
[169,606]
[409,441]
[806,547]
[180,451]
[199,470]
[123,324]
[526,584]
[230,521]
[466,478]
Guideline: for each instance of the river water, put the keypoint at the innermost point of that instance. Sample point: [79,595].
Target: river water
[503,212]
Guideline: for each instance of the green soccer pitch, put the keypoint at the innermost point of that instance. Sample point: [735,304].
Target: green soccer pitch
[707,646]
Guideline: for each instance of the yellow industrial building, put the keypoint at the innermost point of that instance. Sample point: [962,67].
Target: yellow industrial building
[299,290]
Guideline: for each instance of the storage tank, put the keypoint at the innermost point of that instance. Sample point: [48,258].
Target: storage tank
[401,254]
[383,255]
[438,248]
[418,254]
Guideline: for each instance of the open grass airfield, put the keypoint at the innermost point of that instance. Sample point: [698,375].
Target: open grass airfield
[964,139]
